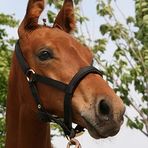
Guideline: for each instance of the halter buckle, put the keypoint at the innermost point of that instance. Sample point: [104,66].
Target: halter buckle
[29,75]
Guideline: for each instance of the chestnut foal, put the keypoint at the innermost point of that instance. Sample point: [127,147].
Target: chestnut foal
[51,75]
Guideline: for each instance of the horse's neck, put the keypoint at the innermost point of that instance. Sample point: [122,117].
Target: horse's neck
[24,130]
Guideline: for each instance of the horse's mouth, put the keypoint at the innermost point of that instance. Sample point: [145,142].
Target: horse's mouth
[99,132]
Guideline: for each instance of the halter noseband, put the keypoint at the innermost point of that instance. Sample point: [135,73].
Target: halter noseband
[69,90]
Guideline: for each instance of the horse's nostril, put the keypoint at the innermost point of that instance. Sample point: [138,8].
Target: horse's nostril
[104,108]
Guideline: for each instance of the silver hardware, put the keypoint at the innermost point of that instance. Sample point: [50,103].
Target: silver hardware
[74,142]
[29,74]
[39,106]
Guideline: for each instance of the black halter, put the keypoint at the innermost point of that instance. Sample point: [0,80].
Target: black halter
[69,90]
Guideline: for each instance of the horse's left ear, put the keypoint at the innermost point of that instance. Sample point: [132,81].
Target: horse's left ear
[65,19]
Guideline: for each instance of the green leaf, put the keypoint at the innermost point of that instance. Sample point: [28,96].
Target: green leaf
[131,124]
[105,28]
[7,20]
[130,20]
[145,111]
[104,9]
[77,2]
[100,45]
[82,19]
[51,16]
[139,124]
[135,124]
[118,53]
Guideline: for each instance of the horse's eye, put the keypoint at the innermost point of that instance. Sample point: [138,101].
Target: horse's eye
[45,55]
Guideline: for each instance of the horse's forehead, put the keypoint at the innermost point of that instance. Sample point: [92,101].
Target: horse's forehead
[51,37]
[46,36]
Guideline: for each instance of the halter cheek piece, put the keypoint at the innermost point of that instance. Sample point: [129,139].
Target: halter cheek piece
[69,89]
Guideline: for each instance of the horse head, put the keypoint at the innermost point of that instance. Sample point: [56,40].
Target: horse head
[54,53]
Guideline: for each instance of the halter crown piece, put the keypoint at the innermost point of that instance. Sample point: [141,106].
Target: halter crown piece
[69,89]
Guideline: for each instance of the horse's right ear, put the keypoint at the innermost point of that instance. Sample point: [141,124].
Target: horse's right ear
[30,21]
[65,18]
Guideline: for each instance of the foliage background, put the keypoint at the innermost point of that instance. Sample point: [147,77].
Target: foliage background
[127,72]
[5,58]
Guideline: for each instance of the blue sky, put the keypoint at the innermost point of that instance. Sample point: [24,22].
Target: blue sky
[126,137]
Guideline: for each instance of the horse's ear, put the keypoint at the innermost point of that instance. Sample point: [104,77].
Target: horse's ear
[30,21]
[65,19]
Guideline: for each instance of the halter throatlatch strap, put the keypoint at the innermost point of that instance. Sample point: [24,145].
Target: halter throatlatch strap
[69,89]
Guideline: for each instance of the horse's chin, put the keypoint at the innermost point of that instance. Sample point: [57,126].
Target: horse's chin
[92,131]
[99,132]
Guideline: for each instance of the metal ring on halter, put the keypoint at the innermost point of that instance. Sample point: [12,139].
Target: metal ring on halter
[29,75]
[74,142]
